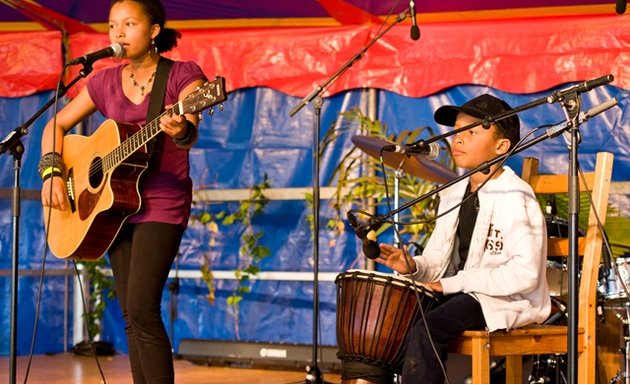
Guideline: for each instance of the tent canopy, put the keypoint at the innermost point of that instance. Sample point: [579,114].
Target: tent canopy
[227,13]
[242,42]
[527,48]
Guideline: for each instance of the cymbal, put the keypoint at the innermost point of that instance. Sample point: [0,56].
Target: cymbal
[416,165]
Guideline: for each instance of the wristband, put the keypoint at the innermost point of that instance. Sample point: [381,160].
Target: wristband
[189,136]
[51,162]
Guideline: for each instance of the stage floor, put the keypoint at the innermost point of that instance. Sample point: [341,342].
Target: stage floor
[70,369]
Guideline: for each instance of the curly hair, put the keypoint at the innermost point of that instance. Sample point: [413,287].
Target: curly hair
[167,38]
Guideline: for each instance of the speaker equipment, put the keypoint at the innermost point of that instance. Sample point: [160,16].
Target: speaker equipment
[256,355]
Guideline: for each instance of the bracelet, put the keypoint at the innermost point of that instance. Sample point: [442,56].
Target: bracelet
[189,136]
[51,162]
[51,172]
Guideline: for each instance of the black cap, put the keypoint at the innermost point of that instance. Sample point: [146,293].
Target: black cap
[483,106]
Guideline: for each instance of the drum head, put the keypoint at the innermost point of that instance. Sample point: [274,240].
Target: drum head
[378,276]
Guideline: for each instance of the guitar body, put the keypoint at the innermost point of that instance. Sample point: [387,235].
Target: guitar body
[102,174]
[100,199]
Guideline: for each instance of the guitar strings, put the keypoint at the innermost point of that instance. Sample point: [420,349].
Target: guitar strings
[107,162]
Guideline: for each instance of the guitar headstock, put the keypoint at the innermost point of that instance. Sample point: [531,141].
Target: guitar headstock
[208,95]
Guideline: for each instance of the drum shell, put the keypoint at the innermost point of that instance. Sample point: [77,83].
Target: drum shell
[374,314]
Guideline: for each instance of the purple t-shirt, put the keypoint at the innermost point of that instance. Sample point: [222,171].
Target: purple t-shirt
[165,187]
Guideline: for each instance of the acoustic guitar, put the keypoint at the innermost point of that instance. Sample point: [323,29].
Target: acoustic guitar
[102,174]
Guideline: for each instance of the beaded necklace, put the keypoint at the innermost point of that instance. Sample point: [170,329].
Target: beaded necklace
[141,86]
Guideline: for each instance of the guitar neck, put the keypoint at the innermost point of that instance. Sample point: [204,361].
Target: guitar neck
[137,140]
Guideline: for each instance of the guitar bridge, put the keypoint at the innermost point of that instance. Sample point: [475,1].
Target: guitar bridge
[70,190]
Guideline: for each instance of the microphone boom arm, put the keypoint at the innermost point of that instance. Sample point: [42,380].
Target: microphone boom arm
[556,96]
[319,89]
[13,138]
[375,222]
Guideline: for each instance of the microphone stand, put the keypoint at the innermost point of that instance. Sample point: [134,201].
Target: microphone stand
[314,375]
[12,143]
[376,221]
[554,97]
[571,104]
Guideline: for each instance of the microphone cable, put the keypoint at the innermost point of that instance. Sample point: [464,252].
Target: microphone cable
[416,289]
[490,175]
[414,284]
[602,231]
[45,253]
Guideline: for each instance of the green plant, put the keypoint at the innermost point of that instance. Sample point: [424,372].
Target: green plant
[617,227]
[251,252]
[101,288]
[360,182]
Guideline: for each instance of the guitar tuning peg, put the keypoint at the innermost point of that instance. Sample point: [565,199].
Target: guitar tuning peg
[221,107]
[210,111]
[200,116]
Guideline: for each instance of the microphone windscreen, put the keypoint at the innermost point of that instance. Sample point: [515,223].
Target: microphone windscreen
[371,250]
[415,32]
[620,7]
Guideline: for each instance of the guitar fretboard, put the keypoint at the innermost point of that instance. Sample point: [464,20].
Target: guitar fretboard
[136,141]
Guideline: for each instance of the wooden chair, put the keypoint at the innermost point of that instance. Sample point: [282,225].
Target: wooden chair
[539,339]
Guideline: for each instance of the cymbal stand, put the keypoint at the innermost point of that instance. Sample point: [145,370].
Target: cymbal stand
[314,375]
[399,173]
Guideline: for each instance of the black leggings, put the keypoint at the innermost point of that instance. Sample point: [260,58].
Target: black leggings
[141,258]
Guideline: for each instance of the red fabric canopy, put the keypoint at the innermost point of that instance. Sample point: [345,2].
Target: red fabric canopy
[30,62]
[518,56]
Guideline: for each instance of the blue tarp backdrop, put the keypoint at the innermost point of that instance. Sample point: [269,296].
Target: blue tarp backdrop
[254,136]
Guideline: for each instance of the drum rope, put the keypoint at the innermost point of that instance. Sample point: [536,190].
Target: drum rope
[374,374]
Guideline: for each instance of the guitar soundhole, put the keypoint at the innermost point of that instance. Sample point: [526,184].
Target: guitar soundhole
[96,172]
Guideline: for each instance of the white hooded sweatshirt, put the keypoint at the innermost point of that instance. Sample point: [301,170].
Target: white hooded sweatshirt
[506,265]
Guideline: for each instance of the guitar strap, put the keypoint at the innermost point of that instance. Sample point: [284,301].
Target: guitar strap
[156,103]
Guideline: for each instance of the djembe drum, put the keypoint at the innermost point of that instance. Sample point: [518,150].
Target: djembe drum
[375,311]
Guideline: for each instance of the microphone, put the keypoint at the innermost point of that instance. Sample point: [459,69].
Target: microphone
[415,31]
[583,87]
[620,7]
[431,151]
[114,50]
[592,84]
[371,250]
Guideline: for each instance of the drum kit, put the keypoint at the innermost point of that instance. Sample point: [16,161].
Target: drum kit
[376,310]
[613,288]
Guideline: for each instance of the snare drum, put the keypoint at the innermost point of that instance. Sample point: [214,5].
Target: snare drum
[375,311]
[557,276]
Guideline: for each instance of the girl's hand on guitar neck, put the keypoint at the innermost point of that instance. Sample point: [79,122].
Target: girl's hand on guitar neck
[58,199]
[173,125]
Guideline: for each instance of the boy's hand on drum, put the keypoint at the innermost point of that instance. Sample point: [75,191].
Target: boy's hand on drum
[435,286]
[396,259]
